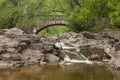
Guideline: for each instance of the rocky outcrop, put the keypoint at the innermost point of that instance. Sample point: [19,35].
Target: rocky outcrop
[19,49]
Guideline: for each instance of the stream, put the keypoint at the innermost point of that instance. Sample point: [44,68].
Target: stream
[56,72]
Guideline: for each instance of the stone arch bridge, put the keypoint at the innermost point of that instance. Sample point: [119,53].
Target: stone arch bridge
[50,20]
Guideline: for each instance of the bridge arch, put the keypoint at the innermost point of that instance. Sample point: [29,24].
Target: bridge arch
[36,31]
[50,20]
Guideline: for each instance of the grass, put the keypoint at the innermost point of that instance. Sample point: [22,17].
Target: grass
[54,30]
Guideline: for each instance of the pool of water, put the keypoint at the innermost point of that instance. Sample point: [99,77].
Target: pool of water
[56,72]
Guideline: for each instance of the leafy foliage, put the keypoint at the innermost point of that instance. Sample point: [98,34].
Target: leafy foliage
[20,12]
[114,15]
[94,14]
[81,14]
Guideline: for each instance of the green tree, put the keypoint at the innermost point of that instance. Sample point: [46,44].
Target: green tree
[20,13]
[90,14]
[114,15]
[81,14]
[80,17]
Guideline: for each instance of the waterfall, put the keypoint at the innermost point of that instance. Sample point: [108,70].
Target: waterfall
[81,57]
[78,58]
[71,56]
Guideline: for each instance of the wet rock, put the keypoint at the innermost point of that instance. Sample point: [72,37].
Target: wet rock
[61,54]
[50,58]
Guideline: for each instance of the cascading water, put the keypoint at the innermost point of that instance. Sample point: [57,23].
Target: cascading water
[72,56]
[75,58]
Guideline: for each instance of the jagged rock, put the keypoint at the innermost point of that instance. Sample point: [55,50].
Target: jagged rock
[48,48]
[4,41]
[8,43]
[15,31]
[88,35]
[37,46]
[5,56]
[22,47]
[24,39]
[33,56]
[16,57]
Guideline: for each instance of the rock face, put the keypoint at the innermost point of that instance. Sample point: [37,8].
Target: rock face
[19,49]
[32,56]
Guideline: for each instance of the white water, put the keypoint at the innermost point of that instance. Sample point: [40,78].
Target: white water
[76,58]
[81,58]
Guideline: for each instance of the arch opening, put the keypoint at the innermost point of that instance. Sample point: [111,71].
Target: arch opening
[46,25]
[53,29]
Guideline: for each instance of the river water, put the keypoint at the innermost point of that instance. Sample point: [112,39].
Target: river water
[56,72]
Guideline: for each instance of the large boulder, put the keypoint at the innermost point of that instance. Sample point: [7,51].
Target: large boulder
[50,58]
[32,56]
